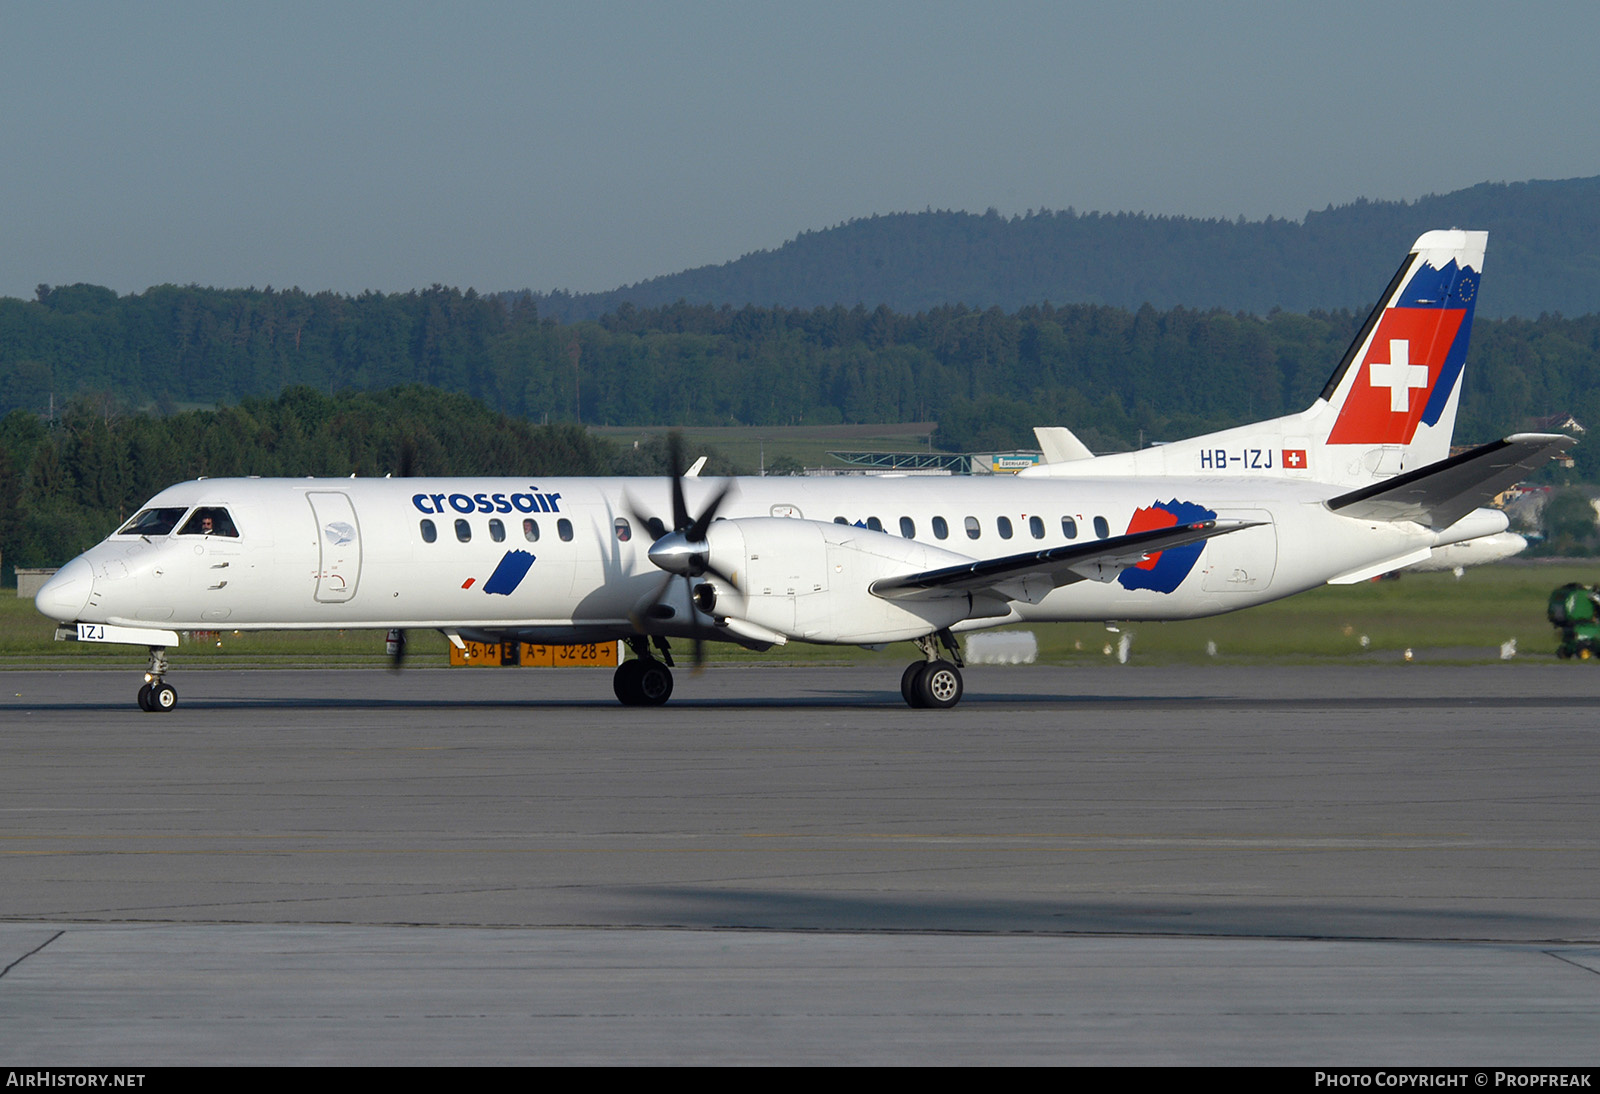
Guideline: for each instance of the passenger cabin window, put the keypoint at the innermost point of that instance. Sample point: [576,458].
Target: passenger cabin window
[1069,527]
[530,530]
[623,528]
[209,520]
[1101,528]
[1004,524]
[1036,527]
[153,522]
[973,531]
[564,530]
[497,530]
[941,529]
[840,520]
[429,532]
[875,524]
[464,531]
[908,528]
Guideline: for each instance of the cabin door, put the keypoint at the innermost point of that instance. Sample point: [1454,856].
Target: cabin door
[338,546]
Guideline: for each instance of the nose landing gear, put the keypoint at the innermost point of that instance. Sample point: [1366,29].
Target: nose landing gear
[157,696]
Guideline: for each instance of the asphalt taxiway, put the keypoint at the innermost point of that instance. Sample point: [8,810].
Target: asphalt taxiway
[1123,864]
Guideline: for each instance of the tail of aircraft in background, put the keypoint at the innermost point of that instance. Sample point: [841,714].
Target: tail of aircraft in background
[1389,408]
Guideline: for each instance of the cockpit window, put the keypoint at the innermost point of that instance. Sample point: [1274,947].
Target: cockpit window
[153,522]
[209,520]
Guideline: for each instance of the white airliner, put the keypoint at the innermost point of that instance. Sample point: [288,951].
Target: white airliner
[1358,484]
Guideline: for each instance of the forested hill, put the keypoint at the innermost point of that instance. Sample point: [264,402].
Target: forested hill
[986,376]
[1544,256]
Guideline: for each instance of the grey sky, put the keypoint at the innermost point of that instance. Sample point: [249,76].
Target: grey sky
[390,146]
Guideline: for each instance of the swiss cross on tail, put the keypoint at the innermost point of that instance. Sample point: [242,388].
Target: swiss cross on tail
[1411,363]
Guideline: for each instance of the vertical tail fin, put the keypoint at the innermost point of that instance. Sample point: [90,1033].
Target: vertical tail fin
[1391,404]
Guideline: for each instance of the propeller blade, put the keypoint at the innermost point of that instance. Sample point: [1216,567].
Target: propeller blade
[408,456]
[636,616]
[395,644]
[680,508]
[651,525]
[694,612]
[697,530]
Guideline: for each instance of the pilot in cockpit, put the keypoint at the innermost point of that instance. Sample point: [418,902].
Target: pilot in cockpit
[210,521]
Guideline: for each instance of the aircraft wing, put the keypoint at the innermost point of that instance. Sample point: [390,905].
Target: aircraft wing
[1101,560]
[1442,493]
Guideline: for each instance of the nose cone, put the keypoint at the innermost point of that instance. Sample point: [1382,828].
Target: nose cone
[63,597]
[674,553]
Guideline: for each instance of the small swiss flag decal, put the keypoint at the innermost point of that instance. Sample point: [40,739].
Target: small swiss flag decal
[1294,459]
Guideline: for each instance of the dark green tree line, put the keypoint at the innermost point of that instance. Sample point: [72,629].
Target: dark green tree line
[1113,374]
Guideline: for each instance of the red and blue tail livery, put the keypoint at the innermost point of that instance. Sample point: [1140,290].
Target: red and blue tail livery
[1389,407]
[1412,360]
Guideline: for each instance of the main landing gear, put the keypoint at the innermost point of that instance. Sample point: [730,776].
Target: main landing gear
[644,681]
[157,696]
[933,683]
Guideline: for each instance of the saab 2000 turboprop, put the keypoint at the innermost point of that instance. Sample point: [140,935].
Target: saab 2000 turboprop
[1358,484]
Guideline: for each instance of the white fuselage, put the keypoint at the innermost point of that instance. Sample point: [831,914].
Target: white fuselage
[337,553]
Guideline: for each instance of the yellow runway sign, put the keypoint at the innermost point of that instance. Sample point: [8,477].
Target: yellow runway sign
[528,655]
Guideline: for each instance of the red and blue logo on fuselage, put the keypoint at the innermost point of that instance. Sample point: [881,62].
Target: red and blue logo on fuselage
[1165,570]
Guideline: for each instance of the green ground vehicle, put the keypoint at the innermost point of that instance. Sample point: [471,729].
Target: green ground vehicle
[1575,611]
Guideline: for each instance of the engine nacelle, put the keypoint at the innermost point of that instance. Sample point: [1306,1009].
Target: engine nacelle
[808,580]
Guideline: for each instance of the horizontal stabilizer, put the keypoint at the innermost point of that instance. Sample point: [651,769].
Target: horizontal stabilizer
[1101,559]
[1442,493]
